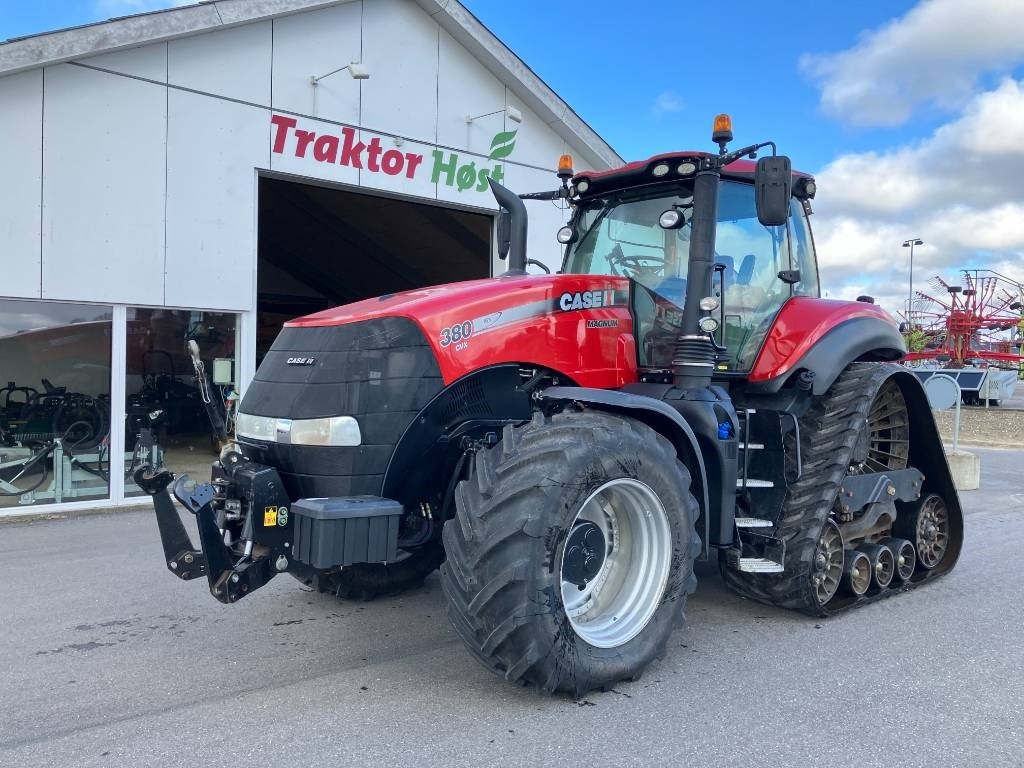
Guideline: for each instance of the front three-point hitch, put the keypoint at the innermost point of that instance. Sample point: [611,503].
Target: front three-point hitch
[229,579]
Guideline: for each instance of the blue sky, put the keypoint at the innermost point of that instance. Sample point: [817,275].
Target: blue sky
[910,113]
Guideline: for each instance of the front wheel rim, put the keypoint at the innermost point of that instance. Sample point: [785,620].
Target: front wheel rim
[610,604]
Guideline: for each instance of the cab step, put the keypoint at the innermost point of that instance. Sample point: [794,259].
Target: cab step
[753,483]
[753,522]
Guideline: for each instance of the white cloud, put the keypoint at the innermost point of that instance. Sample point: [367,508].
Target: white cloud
[128,7]
[959,190]
[666,102]
[977,159]
[933,55]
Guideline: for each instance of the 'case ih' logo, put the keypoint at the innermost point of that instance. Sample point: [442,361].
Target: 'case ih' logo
[301,360]
[586,300]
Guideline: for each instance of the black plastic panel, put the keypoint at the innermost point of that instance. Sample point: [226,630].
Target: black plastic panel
[381,372]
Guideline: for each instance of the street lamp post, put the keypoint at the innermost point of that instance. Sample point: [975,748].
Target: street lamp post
[910,294]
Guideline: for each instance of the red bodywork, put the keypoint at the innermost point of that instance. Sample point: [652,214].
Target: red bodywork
[514,320]
[521,320]
[800,324]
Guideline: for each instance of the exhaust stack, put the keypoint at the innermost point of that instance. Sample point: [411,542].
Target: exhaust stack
[512,221]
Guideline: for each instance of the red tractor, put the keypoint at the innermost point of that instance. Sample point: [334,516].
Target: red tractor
[566,446]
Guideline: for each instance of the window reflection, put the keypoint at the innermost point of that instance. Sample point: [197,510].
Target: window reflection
[176,414]
[54,402]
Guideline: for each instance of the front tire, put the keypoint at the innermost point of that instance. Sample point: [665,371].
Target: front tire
[571,554]
[368,581]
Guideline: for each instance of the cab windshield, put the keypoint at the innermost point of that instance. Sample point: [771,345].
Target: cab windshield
[621,235]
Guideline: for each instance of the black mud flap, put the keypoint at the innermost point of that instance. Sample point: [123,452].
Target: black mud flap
[228,581]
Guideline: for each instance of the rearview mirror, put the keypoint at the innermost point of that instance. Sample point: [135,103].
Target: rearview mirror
[773,186]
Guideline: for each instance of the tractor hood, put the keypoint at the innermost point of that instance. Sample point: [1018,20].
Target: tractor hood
[577,325]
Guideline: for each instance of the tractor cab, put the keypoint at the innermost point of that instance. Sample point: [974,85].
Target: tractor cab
[637,222]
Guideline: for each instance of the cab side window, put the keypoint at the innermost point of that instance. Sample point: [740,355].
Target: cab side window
[752,256]
[802,246]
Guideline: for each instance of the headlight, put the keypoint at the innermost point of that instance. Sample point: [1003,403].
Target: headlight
[687,168]
[329,431]
[708,324]
[582,186]
[670,219]
[565,235]
[659,170]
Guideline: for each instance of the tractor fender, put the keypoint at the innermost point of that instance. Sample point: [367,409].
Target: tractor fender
[658,415]
[482,402]
[856,339]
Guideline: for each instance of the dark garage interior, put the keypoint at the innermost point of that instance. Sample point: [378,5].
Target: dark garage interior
[320,247]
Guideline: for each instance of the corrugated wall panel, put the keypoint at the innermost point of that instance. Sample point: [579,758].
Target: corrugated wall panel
[313,44]
[20,183]
[537,144]
[233,62]
[400,48]
[103,187]
[464,88]
[214,147]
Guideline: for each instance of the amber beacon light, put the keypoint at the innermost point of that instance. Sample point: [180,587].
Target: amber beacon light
[722,132]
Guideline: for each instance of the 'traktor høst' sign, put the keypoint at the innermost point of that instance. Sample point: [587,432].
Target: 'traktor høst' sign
[342,148]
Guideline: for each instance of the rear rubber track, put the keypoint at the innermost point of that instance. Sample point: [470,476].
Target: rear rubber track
[829,431]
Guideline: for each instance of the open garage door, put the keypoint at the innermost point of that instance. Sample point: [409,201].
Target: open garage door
[321,247]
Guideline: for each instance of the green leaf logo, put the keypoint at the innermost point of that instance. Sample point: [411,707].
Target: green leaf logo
[502,145]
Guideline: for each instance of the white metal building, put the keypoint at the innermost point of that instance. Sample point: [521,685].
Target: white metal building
[189,173]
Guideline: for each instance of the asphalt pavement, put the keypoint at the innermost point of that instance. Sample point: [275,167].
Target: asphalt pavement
[106,660]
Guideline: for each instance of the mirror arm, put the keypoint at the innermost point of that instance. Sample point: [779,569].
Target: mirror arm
[737,154]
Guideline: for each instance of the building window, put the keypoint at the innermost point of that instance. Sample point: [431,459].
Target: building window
[54,402]
[173,411]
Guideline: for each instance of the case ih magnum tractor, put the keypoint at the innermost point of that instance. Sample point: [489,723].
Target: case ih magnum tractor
[566,446]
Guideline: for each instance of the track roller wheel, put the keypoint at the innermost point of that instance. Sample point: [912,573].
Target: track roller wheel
[828,562]
[856,572]
[571,554]
[906,558]
[883,563]
[927,526]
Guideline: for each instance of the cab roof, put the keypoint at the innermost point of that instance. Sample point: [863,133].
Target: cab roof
[640,172]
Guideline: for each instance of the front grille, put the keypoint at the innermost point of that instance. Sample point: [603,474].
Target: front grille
[382,372]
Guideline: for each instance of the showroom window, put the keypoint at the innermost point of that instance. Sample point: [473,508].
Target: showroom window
[179,388]
[54,402]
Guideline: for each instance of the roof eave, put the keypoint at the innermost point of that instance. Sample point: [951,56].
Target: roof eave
[64,45]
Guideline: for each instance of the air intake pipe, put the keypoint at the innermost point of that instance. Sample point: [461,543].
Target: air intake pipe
[693,360]
[512,222]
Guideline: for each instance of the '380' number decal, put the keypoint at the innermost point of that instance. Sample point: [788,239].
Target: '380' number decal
[456,333]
